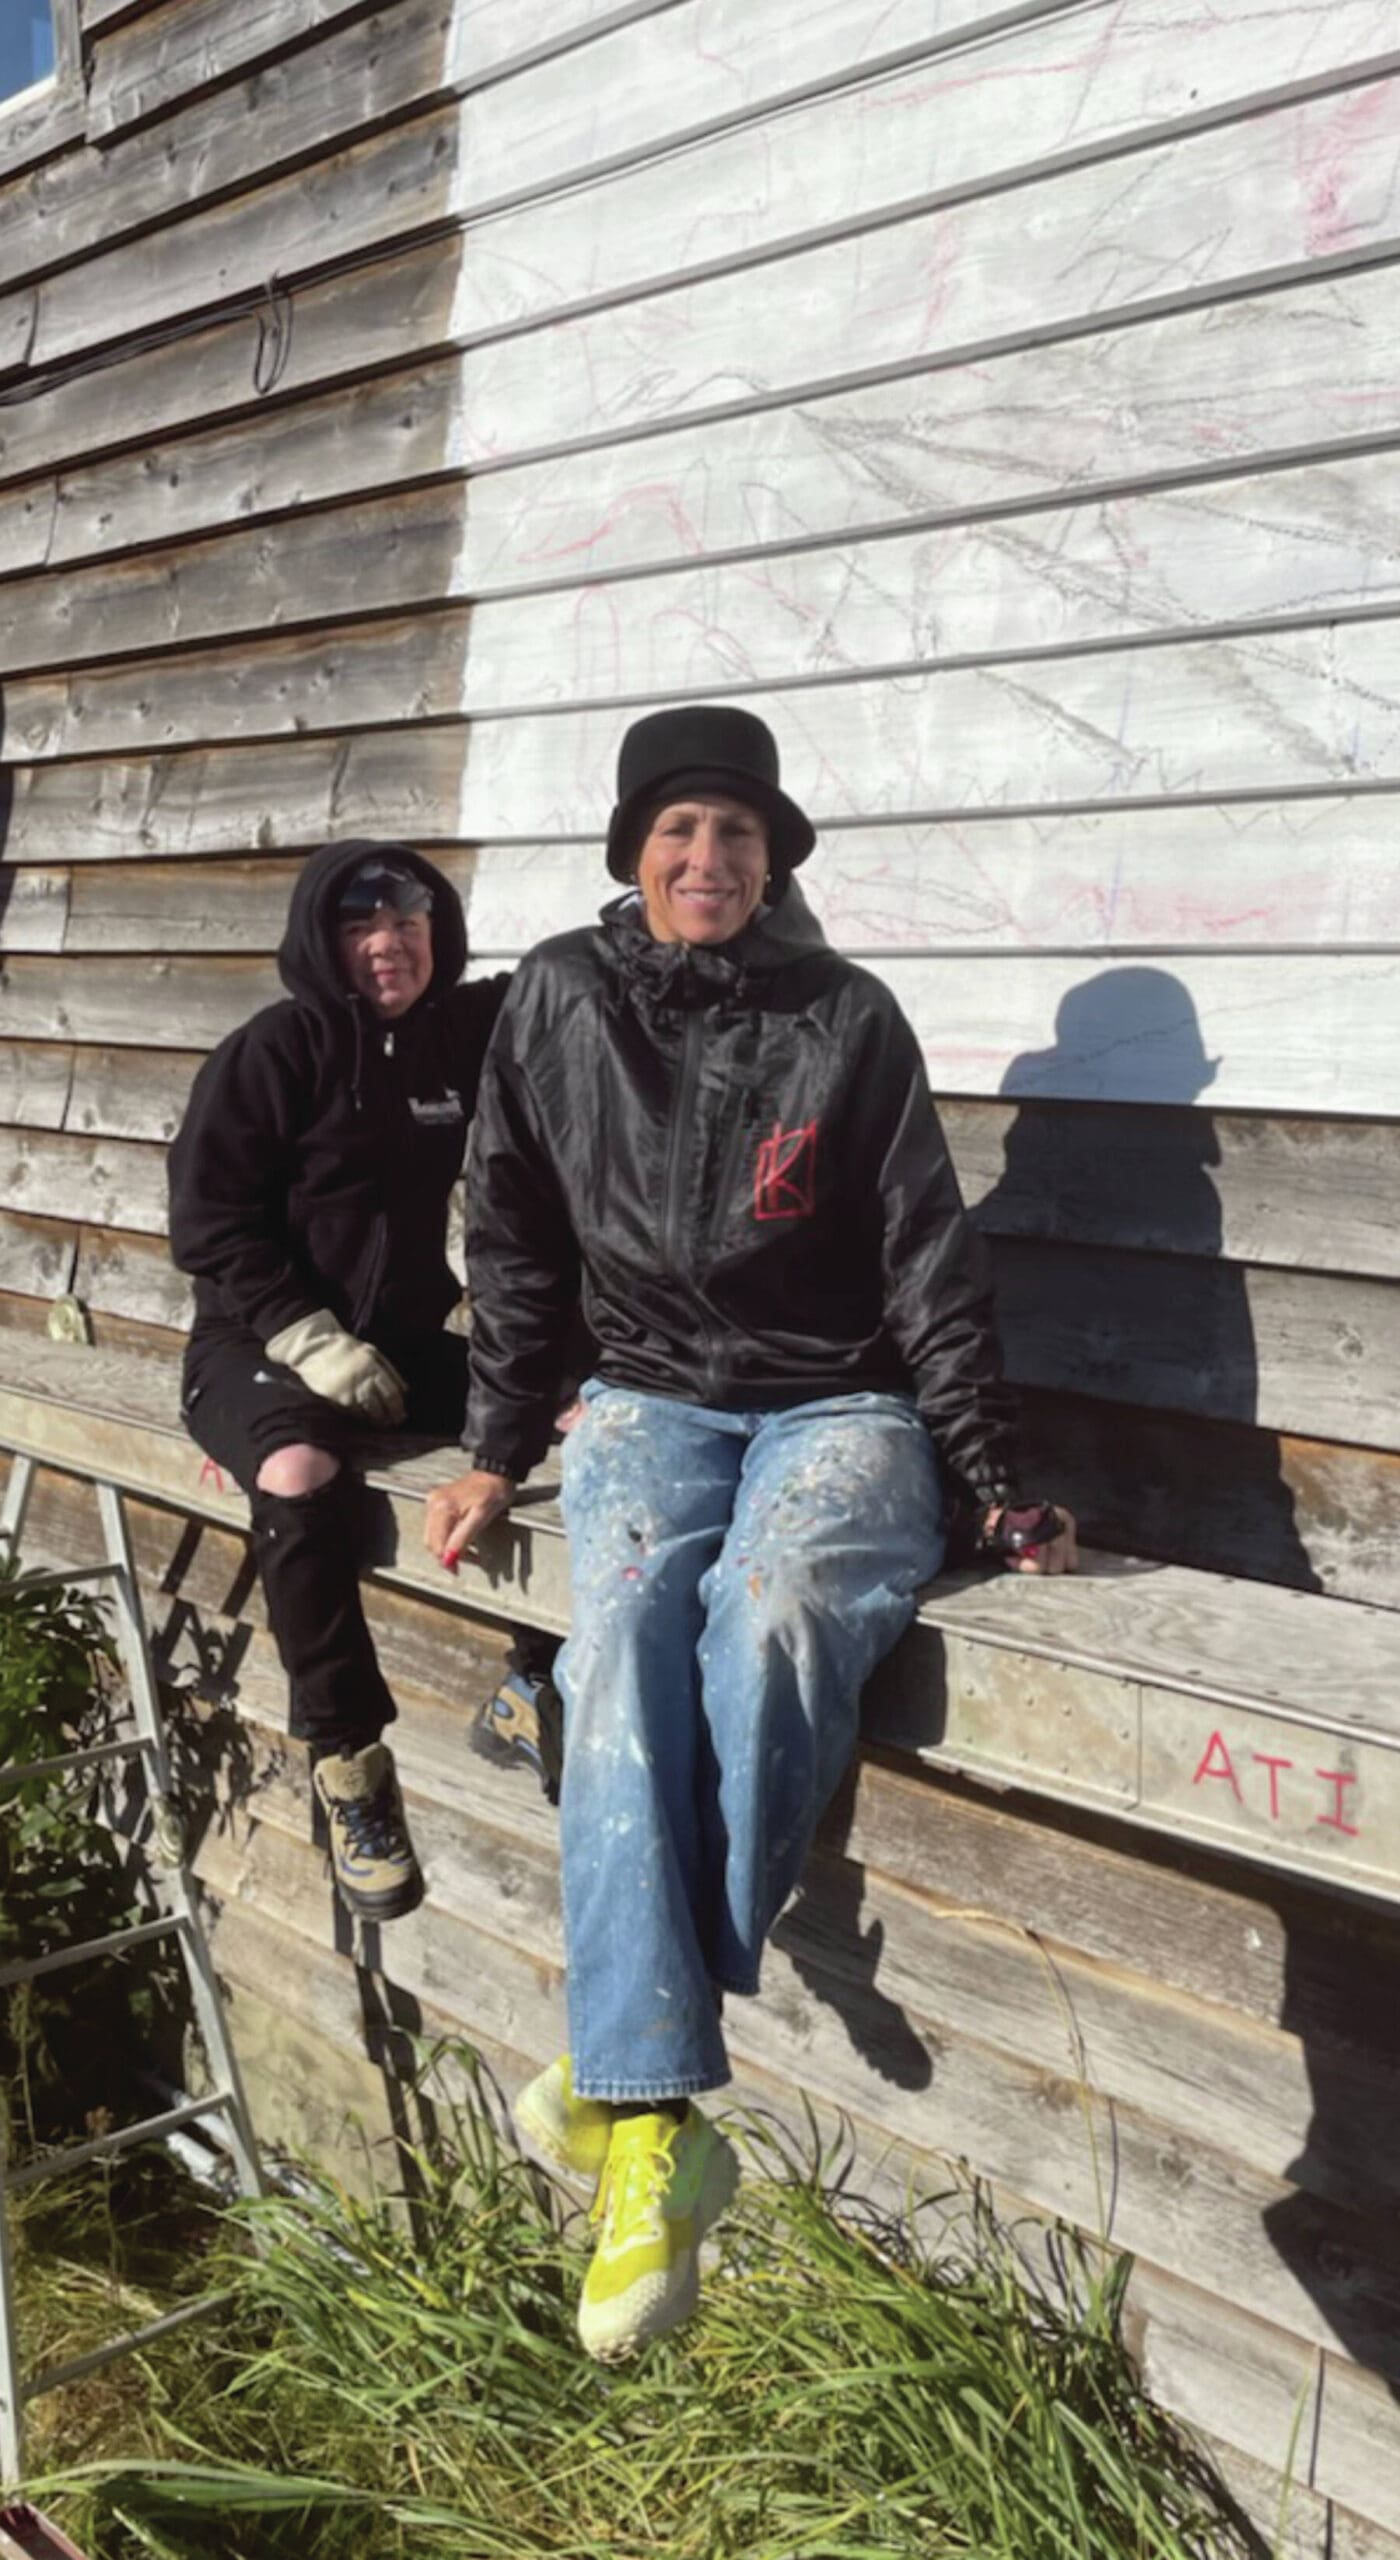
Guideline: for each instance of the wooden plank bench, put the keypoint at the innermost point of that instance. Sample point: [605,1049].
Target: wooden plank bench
[1260,1721]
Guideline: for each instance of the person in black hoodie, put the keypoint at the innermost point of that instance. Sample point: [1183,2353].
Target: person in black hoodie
[724,1129]
[309,1189]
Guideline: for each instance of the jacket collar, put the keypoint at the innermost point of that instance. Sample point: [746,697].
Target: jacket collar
[687,974]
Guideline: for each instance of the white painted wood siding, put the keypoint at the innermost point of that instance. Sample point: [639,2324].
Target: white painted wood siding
[1005,402]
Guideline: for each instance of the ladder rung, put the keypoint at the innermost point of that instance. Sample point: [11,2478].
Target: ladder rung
[151,2129]
[72,1573]
[56,2375]
[29,1968]
[15,1775]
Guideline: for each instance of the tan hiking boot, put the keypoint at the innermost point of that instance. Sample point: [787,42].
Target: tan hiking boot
[376,1872]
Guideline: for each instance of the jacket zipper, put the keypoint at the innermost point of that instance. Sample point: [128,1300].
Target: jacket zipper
[692,1043]
[369,1291]
[364,1307]
[686,1084]
[739,1128]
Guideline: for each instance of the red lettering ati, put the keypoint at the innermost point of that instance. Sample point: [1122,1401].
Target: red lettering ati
[1209,1766]
[1339,1780]
[1268,1760]
[209,1469]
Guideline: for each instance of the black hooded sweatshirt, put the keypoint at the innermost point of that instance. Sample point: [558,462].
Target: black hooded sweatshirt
[736,1152]
[320,1143]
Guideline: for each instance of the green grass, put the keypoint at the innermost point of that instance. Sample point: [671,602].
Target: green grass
[860,2385]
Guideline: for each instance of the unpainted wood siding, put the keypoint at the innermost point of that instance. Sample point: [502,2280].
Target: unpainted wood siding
[230,515]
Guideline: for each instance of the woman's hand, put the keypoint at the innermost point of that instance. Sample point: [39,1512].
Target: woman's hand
[1058,1555]
[457,1514]
[1062,1553]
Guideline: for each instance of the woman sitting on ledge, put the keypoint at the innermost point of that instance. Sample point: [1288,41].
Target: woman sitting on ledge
[722,1131]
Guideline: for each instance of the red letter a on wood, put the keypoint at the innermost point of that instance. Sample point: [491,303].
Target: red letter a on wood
[1211,1766]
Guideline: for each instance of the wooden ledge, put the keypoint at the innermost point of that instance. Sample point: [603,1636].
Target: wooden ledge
[1261,1721]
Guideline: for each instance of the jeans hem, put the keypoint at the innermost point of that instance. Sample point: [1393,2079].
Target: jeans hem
[681,2084]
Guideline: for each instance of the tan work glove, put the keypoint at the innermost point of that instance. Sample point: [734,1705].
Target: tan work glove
[337,1365]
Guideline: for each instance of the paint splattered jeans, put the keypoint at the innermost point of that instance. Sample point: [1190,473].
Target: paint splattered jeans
[736,1577]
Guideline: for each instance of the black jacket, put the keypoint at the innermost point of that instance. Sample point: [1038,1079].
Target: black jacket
[736,1152]
[319,1145]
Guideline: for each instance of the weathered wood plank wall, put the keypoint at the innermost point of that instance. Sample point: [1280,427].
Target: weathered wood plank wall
[230,521]
[1003,395]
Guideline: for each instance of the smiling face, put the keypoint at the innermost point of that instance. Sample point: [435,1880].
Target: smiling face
[388,959]
[702,868]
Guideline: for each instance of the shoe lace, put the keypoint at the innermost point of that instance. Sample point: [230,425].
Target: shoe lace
[635,2178]
[375,1825]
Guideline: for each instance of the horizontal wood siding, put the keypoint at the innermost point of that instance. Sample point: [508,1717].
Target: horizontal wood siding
[1066,579]
[1003,396]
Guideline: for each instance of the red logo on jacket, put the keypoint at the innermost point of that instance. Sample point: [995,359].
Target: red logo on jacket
[785,1176]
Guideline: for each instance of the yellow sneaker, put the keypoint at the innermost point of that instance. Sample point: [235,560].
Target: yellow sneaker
[571,2132]
[664,2185]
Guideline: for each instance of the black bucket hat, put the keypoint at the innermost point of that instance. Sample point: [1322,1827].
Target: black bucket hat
[704,746]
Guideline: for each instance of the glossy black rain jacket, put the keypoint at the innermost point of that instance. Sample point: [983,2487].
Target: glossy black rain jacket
[320,1144]
[735,1154]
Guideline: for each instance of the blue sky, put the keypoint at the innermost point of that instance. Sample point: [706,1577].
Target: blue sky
[26,43]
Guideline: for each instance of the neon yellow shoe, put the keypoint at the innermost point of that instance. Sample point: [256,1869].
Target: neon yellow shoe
[572,2133]
[664,2185]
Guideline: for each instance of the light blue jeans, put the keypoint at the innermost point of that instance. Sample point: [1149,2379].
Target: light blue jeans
[736,1577]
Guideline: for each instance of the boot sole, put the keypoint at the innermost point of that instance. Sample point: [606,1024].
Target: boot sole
[394,1905]
[682,2307]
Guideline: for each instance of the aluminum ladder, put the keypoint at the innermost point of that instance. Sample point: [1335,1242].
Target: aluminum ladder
[226,2107]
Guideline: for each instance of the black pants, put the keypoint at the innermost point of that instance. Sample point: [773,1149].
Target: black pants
[241,1407]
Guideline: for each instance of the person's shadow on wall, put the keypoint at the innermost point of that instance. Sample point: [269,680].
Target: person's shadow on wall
[1145,1316]
[837,1955]
[1079,1168]
[1156,1306]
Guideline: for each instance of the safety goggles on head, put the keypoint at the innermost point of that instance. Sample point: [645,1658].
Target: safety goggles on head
[383,884]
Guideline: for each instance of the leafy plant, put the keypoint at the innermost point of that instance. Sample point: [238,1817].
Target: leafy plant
[54,1656]
[54,1651]
[65,2039]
